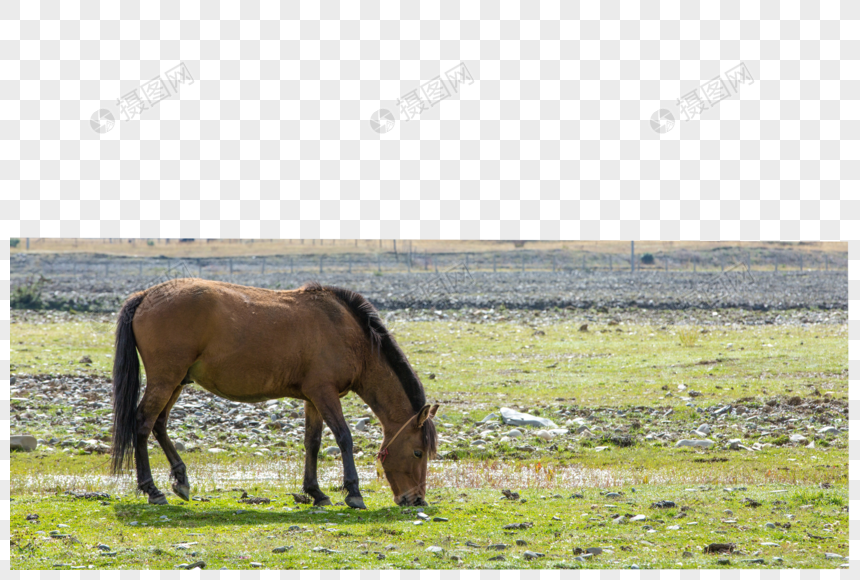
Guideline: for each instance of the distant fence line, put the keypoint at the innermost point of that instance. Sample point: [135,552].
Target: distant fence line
[59,265]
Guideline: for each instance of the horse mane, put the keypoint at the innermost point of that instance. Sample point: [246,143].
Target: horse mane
[383,342]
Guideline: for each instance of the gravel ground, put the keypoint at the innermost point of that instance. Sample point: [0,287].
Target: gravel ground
[460,288]
[73,413]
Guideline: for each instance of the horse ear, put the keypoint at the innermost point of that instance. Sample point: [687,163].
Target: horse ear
[426,412]
[423,415]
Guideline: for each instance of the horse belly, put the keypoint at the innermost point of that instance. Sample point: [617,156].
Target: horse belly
[245,379]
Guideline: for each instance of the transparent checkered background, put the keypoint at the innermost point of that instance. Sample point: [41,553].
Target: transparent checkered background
[551,140]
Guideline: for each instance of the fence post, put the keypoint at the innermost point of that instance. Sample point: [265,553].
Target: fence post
[28,243]
[632,257]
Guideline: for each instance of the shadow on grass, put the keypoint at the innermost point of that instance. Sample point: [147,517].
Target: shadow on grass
[181,516]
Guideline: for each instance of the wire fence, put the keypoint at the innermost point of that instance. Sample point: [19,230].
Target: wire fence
[88,266]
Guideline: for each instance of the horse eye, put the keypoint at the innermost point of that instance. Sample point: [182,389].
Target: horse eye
[417,454]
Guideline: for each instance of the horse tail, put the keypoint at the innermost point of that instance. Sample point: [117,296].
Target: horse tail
[126,387]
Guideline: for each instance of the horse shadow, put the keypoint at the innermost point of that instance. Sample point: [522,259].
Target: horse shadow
[182,516]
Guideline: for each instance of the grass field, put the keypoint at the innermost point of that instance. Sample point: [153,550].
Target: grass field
[221,248]
[625,380]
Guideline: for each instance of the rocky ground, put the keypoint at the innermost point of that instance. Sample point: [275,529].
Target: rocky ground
[72,414]
[104,288]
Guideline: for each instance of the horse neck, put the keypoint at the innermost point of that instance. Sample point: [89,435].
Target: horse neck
[384,394]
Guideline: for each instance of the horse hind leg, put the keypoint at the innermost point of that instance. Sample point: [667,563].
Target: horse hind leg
[155,399]
[180,484]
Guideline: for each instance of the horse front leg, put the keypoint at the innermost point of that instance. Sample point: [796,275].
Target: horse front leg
[327,403]
[313,438]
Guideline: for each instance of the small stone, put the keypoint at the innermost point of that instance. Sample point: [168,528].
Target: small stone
[544,434]
[770,526]
[694,443]
[634,567]
[829,431]
[638,518]
[704,428]
[332,451]
[797,438]
[754,561]
[500,557]
[440,519]
[498,547]
[734,444]
[619,520]
[522,543]
[293,528]
[724,561]
[22,443]
[529,555]
[478,442]
[687,554]
[179,445]
[771,544]
[514,434]
[594,551]
[281,549]
[673,528]
[832,556]
[434,549]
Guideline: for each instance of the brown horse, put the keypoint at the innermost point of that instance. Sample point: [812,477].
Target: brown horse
[246,344]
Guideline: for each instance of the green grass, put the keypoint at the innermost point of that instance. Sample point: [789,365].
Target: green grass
[477,369]
[226,537]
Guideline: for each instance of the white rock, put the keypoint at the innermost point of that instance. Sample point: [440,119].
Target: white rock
[22,443]
[332,451]
[511,417]
[734,444]
[513,433]
[704,428]
[544,434]
[694,443]
[215,450]
[829,430]
[797,438]
[434,549]
[638,518]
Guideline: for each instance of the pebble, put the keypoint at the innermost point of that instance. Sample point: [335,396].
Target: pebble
[293,528]
[612,494]
[22,443]
[594,551]
[704,428]
[514,433]
[332,451]
[771,544]
[634,567]
[361,425]
[529,555]
[734,444]
[638,518]
[281,549]
[723,561]
[673,528]
[256,565]
[500,557]
[478,442]
[797,438]
[522,543]
[694,443]
[544,434]
[434,549]
[770,526]
[440,519]
[829,431]
[619,520]
[498,547]
[832,556]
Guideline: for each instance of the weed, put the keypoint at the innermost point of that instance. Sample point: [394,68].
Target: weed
[28,296]
[688,336]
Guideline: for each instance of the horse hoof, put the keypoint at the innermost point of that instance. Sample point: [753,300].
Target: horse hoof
[356,502]
[158,499]
[182,491]
[322,502]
